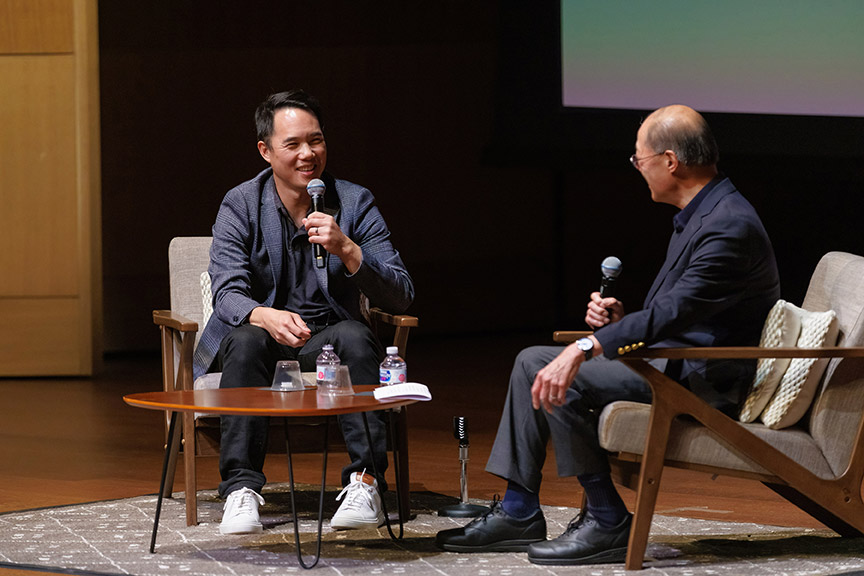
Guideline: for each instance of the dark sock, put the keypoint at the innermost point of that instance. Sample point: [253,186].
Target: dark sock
[519,502]
[604,502]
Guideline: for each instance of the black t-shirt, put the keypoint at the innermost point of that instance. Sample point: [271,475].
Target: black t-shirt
[298,289]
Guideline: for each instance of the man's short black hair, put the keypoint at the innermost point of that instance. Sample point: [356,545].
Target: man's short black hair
[290,99]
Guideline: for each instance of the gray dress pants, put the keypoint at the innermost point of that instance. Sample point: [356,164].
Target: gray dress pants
[523,433]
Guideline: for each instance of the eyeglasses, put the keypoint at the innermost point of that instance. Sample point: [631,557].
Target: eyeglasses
[635,161]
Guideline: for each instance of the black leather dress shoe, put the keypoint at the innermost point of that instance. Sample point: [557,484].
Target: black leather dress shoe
[584,542]
[495,531]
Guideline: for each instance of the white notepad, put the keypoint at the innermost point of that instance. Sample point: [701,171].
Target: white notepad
[411,390]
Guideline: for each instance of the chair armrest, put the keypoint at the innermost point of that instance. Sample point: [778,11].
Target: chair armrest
[748,352]
[394,320]
[402,326]
[176,321]
[170,324]
[567,336]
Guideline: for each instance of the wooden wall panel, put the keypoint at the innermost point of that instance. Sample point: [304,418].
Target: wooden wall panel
[50,268]
[38,228]
[45,337]
[89,185]
[36,26]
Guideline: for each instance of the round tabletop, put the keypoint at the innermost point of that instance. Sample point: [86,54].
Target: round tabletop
[264,402]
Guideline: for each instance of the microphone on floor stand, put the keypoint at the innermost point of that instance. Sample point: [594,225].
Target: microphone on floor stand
[464,509]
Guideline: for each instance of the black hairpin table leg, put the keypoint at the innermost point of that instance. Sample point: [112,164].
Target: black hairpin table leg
[171,431]
[320,497]
[375,472]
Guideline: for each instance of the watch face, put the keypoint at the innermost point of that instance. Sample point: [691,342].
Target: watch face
[585,344]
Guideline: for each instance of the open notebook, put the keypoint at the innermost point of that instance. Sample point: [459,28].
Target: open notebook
[412,390]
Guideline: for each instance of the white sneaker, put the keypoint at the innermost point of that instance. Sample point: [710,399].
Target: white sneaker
[362,505]
[240,514]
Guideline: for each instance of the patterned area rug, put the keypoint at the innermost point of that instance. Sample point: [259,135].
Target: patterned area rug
[113,538]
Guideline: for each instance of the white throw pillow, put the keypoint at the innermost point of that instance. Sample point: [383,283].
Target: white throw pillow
[206,299]
[802,377]
[781,330]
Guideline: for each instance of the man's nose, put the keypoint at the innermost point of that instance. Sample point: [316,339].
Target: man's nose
[306,151]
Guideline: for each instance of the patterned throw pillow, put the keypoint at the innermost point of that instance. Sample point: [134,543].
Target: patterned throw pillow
[206,299]
[781,330]
[802,377]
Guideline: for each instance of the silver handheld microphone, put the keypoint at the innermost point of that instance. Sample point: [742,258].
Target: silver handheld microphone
[611,269]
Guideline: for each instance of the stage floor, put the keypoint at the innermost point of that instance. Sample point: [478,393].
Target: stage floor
[74,440]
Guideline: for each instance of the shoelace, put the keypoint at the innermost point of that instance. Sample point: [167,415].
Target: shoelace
[244,502]
[576,522]
[496,504]
[354,491]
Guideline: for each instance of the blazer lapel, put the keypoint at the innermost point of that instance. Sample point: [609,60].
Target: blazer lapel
[271,230]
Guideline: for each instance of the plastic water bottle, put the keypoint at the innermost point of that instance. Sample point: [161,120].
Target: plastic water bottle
[393,368]
[326,366]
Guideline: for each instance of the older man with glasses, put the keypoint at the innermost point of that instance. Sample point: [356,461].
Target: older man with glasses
[716,287]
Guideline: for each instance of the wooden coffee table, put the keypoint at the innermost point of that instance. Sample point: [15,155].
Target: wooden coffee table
[266,402]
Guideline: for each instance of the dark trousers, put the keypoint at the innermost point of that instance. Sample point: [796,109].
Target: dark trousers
[519,451]
[247,358]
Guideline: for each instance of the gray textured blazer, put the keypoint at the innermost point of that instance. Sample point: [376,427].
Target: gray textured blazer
[246,259]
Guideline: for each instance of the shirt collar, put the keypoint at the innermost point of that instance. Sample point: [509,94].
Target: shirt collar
[682,218]
[286,217]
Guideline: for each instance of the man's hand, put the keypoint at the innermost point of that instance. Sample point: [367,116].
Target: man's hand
[323,229]
[285,327]
[603,311]
[552,382]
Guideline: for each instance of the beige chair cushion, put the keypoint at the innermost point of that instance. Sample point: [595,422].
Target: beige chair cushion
[798,386]
[624,425]
[824,445]
[836,285]
[188,257]
[781,329]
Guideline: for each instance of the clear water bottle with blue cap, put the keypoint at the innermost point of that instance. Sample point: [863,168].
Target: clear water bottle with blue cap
[393,368]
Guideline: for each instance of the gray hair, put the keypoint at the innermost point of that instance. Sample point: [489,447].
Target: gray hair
[688,136]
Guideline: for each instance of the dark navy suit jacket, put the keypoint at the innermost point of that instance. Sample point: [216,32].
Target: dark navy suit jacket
[715,288]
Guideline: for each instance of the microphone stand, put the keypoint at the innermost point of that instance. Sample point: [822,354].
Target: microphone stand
[464,509]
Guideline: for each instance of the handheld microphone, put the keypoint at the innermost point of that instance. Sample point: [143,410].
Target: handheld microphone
[610,268]
[316,189]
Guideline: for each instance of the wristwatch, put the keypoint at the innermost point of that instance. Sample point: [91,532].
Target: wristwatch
[586,345]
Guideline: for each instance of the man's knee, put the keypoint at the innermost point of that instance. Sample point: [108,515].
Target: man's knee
[532,359]
[245,342]
[353,340]
[351,333]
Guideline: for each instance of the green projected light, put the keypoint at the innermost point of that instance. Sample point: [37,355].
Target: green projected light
[765,56]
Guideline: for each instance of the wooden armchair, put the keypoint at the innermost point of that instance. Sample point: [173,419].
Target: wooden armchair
[188,258]
[818,464]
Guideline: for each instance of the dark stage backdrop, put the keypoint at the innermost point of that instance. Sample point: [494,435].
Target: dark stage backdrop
[502,204]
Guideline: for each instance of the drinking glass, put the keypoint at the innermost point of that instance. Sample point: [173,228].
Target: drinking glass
[287,376]
[341,386]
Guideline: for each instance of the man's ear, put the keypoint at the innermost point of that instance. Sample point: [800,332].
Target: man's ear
[264,150]
[671,160]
